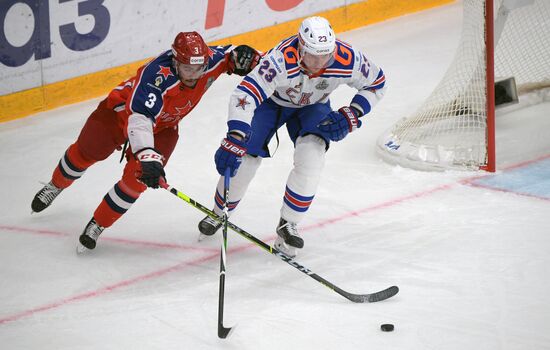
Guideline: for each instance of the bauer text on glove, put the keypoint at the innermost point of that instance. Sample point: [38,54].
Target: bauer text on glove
[338,124]
[230,154]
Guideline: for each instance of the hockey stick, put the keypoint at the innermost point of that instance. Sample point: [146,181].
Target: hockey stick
[223,332]
[356,298]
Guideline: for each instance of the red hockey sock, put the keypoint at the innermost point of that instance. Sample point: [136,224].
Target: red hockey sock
[71,167]
[115,203]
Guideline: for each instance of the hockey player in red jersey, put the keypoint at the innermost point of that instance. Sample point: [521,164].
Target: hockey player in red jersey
[144,111]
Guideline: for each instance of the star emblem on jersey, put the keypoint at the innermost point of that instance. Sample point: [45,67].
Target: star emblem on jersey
[242,103]
[182,110]
[165,71]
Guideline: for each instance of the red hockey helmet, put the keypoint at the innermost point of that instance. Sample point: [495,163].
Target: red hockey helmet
[190,48]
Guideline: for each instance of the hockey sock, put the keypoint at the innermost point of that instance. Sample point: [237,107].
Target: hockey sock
[309,160]
[115,204]
[71,167]
[239,184]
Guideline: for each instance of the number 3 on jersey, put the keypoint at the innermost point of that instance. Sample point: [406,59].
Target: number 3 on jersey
[270,74]
[151,101]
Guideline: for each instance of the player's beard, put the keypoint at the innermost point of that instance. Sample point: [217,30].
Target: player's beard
[189,76]
[190,83]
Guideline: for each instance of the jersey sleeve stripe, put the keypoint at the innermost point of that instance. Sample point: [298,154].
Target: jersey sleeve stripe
[257,86]
[253,91]
[379,82]
[343,43]
[248,92]
[286,42]
[124,85]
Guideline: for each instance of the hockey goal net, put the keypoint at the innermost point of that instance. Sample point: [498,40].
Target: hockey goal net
[455,127]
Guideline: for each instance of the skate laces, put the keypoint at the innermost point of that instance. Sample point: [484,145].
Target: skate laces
[289,228]
[94,230]
[48,193]
[211,221]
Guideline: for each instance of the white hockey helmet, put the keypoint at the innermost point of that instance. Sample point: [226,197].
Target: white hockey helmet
[316,36]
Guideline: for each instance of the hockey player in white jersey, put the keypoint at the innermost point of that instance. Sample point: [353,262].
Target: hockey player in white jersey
[291,85]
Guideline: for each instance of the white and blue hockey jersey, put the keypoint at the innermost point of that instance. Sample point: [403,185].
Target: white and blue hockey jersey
[280,77]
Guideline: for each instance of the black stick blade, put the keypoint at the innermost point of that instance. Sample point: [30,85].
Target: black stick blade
[373,297]
[224,332]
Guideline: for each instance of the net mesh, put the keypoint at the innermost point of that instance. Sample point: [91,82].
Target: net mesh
[449,130]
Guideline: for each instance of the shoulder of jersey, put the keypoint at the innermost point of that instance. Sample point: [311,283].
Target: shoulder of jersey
[216,54]
[344,61]
[159,74]
[285,54]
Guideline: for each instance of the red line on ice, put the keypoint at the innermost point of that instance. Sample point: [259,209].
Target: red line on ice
[111,239]
[213,255]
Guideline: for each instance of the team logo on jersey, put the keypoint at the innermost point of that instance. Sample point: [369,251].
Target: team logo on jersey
[165,71]
[155,86]
[184,109]
[242,103]
[323,85]
[176,114]
[158,81]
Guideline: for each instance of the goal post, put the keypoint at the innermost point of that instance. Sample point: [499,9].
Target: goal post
[503,54]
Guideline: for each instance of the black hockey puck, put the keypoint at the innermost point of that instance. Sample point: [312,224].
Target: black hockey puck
[387,327]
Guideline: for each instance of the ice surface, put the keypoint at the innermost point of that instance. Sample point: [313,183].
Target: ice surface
[470,261]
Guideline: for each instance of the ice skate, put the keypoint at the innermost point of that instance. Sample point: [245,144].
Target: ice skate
[88,238]
[208,227]
[288,239]
[45,197]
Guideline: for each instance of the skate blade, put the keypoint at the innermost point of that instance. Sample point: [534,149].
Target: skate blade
[287,250]
[80,249]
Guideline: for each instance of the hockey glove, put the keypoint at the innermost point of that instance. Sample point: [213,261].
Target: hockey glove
[339,124]
[229,155]
[152,168]
[242,60]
